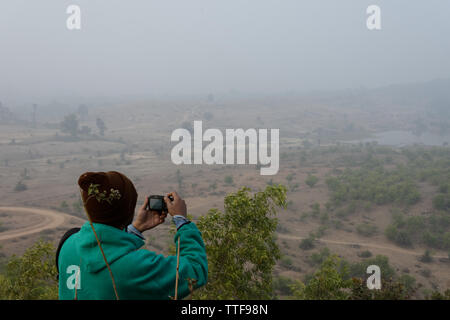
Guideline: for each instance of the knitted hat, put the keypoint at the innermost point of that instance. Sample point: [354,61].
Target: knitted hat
[109,198]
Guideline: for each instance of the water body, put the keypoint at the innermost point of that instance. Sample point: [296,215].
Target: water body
[406,138]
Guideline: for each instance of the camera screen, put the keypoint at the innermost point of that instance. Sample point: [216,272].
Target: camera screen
[156,204]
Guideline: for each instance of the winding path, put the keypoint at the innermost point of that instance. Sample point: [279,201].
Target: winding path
[51,219]
[368,245]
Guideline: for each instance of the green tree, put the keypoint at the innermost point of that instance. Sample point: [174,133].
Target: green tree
[240,243]
[328,283]
[31,276]
[390,290]
[333,282]
[311,180]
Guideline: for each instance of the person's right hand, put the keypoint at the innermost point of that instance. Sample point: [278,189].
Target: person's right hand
[177,206]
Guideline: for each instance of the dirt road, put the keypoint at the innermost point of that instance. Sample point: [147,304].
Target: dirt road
[367,245]
[53,219]
[50,220]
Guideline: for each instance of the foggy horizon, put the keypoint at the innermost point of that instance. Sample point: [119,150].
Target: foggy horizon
[157,49]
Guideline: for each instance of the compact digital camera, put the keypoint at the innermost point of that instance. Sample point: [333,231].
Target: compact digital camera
[157,203]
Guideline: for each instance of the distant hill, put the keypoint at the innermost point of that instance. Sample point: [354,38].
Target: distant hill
[433,95]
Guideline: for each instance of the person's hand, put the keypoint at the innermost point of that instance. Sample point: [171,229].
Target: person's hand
[146,219]
[177,206]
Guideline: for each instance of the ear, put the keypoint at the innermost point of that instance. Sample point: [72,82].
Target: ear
[88,178]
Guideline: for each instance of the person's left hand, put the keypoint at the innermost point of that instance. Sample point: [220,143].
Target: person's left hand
[146,219]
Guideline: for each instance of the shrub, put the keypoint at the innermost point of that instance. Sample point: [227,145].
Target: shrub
[64,206]
[365,254]
[315,209]
[2,228]
[311,180]
[319,233]
[390,290]
[329,282]
[409,282]
[286,262]
[359,269]
[20,186]
[432,229]
[426,257]
[283,285]
[400,237]
[228,180]
[442,202]
[31,276]
[366,230]
[425,272]
[317,258]
[348,210]
[324,217]
[307,244]
[436,295]
[289,177]
[374,184]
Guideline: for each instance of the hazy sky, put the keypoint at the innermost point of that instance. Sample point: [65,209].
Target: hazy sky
[153,47]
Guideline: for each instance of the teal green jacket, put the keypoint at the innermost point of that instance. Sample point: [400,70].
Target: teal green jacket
[138,273]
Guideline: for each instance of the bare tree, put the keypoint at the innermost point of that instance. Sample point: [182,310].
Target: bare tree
[101,126]
[33,115]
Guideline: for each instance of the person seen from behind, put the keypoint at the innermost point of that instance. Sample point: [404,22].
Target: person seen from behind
[106,259]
